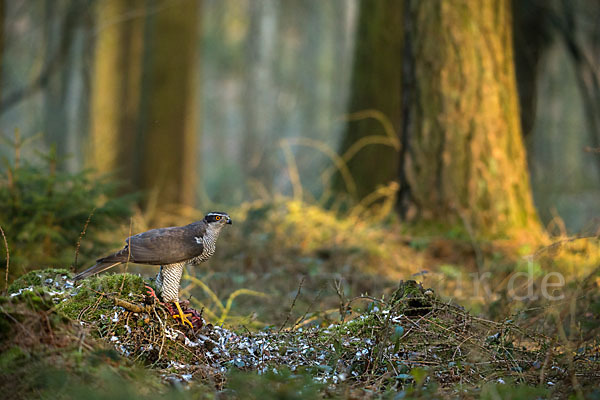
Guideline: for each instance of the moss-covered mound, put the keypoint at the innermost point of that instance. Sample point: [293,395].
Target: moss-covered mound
[94,298]
[413,343]
[45,355]
[50,279]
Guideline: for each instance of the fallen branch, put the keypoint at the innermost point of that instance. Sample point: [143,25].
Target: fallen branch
[136,308]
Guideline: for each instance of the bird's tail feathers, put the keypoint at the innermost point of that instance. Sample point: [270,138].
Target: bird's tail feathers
[96,269]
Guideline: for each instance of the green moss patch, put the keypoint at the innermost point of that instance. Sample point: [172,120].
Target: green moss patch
[51,278]
[95,296]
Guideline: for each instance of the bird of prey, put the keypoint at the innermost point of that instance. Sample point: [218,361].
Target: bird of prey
[171,248]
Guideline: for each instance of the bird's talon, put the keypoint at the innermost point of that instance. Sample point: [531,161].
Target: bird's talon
[184,317]
[187,321]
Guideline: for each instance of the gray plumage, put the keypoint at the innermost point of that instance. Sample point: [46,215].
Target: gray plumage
[171,248]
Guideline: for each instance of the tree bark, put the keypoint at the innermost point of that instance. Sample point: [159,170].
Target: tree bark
[375,86]
[116,86]
[466,160]
[260,96]
[169,109]
[143,123]
[60,25]
[2,23]
[533,35]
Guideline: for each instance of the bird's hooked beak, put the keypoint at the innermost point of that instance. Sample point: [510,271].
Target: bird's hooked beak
[229,221]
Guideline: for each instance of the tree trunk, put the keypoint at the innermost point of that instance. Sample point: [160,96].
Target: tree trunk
[260,97]
[2,23]
[169,109]
[533,35]
[143,124]
[60,25]
[375,86]
[116,89]
[466,160]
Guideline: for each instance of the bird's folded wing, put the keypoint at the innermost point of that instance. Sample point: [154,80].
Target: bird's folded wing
[164,246]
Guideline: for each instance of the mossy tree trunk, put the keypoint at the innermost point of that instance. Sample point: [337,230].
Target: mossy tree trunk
[2,23]
[116,86]
[466,161]
[375,86]
[169,109]
[143,124]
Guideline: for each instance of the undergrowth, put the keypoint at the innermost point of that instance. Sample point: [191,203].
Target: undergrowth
[410,344]
[43,210]
[288,302]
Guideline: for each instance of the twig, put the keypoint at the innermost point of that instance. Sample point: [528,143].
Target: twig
[293,173]
[545,365]
[243,326]
[293,303]
[343,304]
[479,260]
[163,335]
[570,348]
[81,235]
[128,257]
[589,149]
[7,260]
[560,243]
[309,309]
[136,308]
[365,297]
[19,324]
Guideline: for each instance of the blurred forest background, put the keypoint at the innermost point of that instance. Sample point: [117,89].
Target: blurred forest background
[200,102]
[462,119]
[355,143]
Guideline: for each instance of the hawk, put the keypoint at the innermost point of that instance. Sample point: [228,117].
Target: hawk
[171,248]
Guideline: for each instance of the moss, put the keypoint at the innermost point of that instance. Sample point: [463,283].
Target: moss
[93,302]
[112,283]
[412,299]
[9,357]
[87,298]
[5,327]
[41,277]
[36,300]
[358,326]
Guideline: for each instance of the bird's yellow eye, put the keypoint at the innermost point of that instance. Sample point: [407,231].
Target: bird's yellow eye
[217,218]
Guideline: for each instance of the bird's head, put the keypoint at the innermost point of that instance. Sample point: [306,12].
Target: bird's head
[217,218]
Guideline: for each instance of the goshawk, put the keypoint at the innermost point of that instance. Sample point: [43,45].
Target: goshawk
[171,248]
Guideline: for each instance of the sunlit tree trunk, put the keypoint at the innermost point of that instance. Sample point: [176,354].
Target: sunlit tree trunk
[116,89]
[375,86]
[169,110]
[143,120]
[2,16]
[466,160]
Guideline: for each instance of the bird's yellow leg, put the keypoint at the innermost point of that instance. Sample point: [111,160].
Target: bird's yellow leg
[184,318]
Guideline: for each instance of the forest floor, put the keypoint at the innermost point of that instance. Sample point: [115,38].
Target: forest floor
[300,303]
